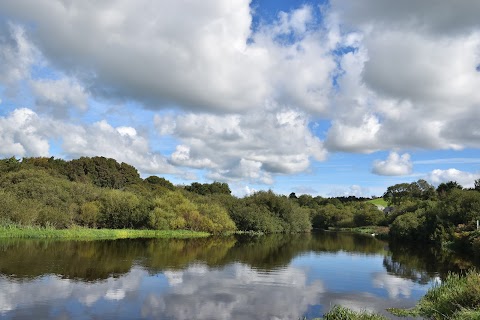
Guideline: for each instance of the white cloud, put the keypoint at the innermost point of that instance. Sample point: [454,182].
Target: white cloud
[251,147]
[431,16]
[412,79]
[197,56]
[56,96]
[182,157]
[17,55]
[23,133]
[465,179]
[394,165]
[357,138]
[408,78]
[122,143]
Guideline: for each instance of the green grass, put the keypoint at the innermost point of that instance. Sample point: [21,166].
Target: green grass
[92,234]
[457,298]
[379,201]
[342,313]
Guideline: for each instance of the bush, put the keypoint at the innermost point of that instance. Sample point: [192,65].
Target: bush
[19,211]
[218,216]
[367,214]
[89,214]
[408,226]
[122,209]
[252,217]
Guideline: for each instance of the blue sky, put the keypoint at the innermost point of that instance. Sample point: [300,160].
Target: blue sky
[322,97]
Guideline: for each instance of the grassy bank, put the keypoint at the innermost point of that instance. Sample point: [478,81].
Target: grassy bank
[92,234]
[341,313]
[457,298]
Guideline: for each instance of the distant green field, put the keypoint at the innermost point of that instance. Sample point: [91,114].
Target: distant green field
[379,201]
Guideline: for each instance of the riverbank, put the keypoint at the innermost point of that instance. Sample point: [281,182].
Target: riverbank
[380,232]
[78,233]
[457,298]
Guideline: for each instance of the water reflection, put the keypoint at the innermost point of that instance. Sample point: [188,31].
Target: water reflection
[274,277]
[234,292]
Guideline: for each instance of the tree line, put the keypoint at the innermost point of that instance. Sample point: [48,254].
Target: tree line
[99,192]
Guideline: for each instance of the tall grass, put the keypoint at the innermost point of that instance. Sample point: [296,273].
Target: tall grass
[13,231]
[457,298]
[342,313]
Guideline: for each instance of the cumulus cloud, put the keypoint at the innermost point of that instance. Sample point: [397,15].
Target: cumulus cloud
[56,96]
[429,16]
[198,56]
[17,55]
[465,179]
[252,146]
[394,165]
[25,133]
[411,79]
[385,75]
[124,144]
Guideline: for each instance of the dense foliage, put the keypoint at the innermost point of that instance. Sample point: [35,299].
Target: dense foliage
[447,217]
[101,193]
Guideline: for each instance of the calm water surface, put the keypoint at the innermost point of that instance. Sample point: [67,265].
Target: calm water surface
[270,277]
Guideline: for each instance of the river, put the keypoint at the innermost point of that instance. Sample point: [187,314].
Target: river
[238,277]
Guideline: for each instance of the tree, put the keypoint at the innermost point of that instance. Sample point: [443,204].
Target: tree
[161,182]
[420,189]
[10,164]
[206,188]
[396,193]
[445,188]
[477,185]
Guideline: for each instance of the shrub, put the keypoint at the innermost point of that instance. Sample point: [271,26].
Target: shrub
[89,214]
[122,209]
[407,226]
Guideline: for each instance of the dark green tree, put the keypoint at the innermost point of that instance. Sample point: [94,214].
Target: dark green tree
[161,182]
[446,187]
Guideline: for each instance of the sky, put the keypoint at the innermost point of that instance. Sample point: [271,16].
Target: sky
[329,98]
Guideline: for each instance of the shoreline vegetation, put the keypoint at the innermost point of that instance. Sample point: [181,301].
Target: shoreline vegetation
[80,233]
[456,298]
[100,193]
